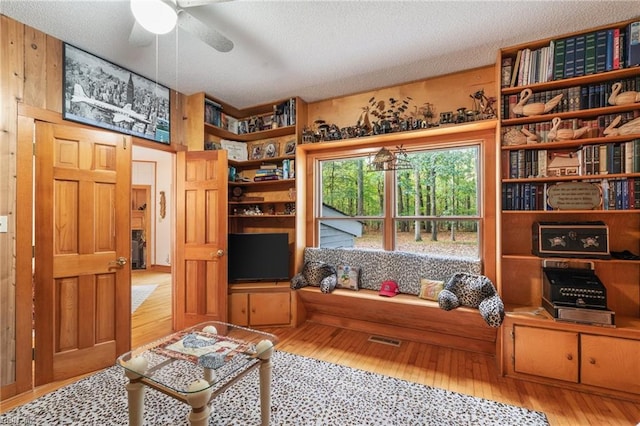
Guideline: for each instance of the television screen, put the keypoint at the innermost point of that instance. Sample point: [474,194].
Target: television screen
[258,257]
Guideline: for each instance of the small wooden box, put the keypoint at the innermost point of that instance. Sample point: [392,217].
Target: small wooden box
[570,239]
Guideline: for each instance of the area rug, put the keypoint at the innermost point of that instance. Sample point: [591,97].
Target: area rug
[139,294]
[305,392]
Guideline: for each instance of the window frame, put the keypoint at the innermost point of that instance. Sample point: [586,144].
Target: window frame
[389,216]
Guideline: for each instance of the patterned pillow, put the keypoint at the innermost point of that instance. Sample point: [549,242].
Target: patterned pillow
[429,289]
[348,277]
[315,271]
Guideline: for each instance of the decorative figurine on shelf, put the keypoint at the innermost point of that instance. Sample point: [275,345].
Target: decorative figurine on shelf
[483,106]
[630,127]
[557,134]
[624,98]
[536,108]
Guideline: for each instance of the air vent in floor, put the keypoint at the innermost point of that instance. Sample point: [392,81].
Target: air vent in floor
[384,340]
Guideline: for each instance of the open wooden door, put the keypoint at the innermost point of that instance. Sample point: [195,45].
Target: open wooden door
[82,275]
[200,280]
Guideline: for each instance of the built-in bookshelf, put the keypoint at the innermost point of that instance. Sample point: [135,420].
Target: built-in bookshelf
[572,158]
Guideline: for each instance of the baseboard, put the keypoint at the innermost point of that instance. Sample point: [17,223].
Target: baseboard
[161,268]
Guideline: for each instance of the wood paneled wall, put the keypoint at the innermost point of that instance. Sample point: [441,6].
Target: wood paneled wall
[31,67]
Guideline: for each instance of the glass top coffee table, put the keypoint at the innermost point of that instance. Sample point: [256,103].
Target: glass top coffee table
[197,364]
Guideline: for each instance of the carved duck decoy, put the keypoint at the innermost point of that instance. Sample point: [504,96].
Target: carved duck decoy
[628,128]
[536,108]
[556,134]
[624,98]
[531,137]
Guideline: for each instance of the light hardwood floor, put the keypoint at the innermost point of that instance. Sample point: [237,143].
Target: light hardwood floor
[458,371]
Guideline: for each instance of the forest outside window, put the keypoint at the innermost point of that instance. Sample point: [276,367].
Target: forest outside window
[432,208]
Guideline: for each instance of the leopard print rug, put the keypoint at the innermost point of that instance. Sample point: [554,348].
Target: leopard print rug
[305,391]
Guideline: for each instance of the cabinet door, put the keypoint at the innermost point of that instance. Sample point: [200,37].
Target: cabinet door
[239,309]
[610,362]
[546,353]
[270,308]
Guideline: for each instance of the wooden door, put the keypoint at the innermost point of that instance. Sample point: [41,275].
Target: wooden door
[546,353]
[82,292]
[200,284]
[610,362]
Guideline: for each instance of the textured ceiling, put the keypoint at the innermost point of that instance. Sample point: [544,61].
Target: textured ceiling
[315,49]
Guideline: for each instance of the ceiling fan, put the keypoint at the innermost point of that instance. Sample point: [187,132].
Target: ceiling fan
[154,17]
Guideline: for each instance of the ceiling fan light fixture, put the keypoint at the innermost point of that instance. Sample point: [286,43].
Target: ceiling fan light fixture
[155,16]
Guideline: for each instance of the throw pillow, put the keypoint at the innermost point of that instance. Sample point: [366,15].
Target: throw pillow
[429,289]
[348,277]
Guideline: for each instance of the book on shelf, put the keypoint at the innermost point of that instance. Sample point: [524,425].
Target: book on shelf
[601,50]
[580,51]
[590,53]
[265,178]
[506,71]
[515,69]
[558,69]
[633,44]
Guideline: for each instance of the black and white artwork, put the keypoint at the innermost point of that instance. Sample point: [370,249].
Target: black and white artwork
[102,94]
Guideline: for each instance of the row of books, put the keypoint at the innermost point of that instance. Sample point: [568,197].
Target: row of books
[574,98]
[596,126]
[613,158]
[616,194]
[270,171]
[284,114]
[584,54]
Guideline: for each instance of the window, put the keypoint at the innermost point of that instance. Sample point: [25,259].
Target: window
[432,208]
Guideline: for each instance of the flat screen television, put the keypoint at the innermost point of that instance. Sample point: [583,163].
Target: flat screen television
[258,257]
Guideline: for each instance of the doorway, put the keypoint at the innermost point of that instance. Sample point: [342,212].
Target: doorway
[152,182]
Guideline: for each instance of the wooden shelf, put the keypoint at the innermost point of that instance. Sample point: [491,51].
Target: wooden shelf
[571,143]
[572,178]
[258,216]
[248,137]
[576,81]
[265,183]
[253,163]
[585,113]
[563,212]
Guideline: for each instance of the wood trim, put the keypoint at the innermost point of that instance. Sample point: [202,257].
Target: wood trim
[403,316]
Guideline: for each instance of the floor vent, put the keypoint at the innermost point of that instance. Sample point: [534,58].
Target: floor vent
[385,340]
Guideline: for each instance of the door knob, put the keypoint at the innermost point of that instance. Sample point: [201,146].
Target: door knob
[220,253]
[121,261]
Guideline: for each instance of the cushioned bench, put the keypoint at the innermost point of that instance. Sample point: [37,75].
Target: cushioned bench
[405,316]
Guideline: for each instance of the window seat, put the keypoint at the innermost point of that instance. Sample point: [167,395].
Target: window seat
[404,316]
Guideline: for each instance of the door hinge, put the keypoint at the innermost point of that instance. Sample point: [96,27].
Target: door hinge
[124,142]
[33,354]
[512,333]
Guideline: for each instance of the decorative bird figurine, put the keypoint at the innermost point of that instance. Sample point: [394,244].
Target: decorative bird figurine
[531,137]
[536,108]
[624,98]
[556,134]
[629,128]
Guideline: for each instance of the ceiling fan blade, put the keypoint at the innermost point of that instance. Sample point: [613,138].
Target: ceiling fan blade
[139,36]
[183,4]
[210,36]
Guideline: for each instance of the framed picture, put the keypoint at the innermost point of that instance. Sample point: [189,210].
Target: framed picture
[102,94]
[289,148]
[257,151]
[270,149]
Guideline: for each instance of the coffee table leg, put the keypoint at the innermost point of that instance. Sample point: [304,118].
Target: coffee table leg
[198,399]
[265,386]
[135,390]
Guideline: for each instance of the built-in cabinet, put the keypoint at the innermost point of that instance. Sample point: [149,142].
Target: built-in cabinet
[255,205]
[260,304]
[574,140]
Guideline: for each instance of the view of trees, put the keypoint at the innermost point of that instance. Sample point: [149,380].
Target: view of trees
[443,183]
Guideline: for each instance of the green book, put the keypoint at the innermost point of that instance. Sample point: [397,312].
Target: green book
[558,63]
[590,54]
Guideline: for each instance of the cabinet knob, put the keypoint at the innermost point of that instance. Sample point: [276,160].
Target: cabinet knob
[592,360]
[569,357]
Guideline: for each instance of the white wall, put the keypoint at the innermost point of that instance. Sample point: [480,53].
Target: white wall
[156,169]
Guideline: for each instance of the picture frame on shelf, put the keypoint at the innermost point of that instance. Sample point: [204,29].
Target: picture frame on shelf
[102,94]
[257,151]
[289,148]
[271,149]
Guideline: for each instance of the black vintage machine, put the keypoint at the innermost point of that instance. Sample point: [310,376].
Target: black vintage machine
[571,291]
